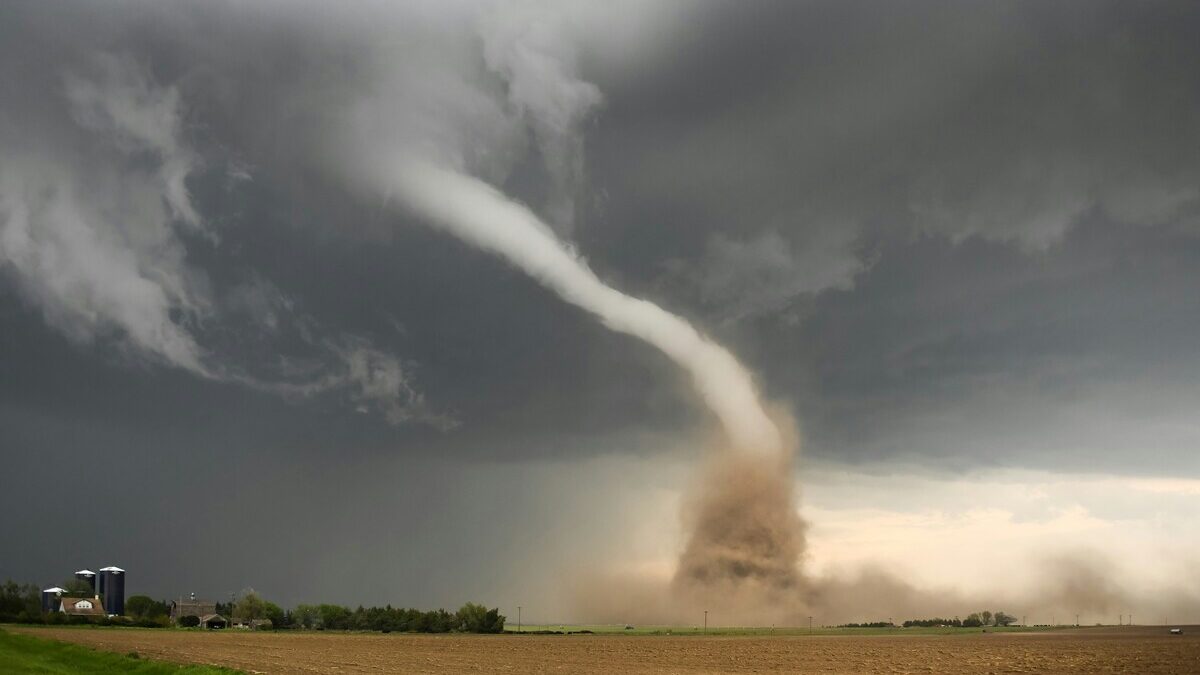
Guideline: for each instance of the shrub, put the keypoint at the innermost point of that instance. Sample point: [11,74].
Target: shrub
[189,621]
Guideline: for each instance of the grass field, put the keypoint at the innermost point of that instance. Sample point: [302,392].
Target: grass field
[26,654]
[1145,650]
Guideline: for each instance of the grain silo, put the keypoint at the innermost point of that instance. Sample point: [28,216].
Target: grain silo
[112,588]
[89,577]
[52,599]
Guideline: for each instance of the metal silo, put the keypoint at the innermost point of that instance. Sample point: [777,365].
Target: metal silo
[88,576]
[52,599]
[112,588]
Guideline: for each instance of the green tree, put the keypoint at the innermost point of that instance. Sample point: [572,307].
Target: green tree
[273,612]
[986,617]
[17,599]
[306,616]
[78,587]
[250,606]
[334,617]
[475,618]
[145,607]
[1003,619]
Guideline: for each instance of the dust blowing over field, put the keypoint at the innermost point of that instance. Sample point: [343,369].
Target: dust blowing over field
[743,526]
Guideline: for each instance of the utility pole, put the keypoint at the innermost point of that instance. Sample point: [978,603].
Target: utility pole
[1120,619]
[1076,620]
[518,618]
[810,625]
[706,622]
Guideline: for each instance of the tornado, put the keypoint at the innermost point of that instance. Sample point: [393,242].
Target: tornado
[482,216]
[742,528]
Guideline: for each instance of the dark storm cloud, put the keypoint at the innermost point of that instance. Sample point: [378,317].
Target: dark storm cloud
[814,119]
[950,234]
[919,221]
[1079,357]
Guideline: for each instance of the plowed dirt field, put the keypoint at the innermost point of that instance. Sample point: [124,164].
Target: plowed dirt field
[1141,650]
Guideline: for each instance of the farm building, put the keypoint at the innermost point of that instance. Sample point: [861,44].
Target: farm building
[82,607]
[52,598]
[192,607]
[251,623]
[213,621]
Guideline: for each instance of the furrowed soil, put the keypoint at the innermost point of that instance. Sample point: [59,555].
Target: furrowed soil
[1088,650]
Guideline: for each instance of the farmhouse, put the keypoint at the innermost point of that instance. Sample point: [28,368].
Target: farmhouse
[82,607]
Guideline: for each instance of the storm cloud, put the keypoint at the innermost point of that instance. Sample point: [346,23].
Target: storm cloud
[951,238]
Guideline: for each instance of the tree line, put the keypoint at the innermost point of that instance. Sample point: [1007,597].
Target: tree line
[470,618]
[23,604]
[973,620]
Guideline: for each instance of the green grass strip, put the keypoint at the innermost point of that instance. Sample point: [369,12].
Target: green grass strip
[25,654]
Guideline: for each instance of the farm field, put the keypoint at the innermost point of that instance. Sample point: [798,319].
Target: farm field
[24,654]
[1085,650]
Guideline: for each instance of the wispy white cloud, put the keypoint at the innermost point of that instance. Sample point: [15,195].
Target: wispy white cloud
[88,231]
[95,234]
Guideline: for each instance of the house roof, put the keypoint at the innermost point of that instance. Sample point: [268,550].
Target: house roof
[193,607]
[70,606]
[209,617]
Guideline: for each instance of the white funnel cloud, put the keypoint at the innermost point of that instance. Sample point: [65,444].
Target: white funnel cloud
[480,215]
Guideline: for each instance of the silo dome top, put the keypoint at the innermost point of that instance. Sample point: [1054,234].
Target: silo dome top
[87,573]
[111,569]
[55,589]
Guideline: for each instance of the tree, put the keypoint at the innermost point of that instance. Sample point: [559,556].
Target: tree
[475,618]
[273,612]
[306,616]
[78,587]
[986,617]
[973,620]
[1003,619]
[250,607]
[145,607]
[334,617]
[17,599]
[190,621]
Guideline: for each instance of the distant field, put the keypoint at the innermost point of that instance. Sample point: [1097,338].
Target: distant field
[764,631]
[1139,649]
[25,654]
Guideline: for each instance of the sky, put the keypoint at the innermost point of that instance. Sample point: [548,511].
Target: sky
[957,243]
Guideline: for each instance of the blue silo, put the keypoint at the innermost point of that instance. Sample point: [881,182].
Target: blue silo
[52,599]
[89,577]
[112,589]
